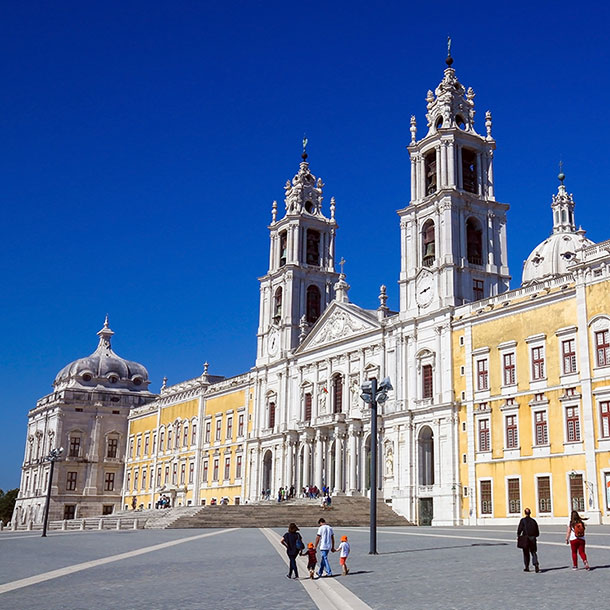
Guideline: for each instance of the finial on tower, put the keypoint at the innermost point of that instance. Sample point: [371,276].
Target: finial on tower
[488,124]
[164,385]
[206,366]
[305,142]
[561,175]
[333,206]
[105,334]
[341,264]
[273,212]
[413,129]
[449,60]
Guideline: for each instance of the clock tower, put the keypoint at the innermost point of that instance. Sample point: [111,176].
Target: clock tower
[301,277]
[453,232]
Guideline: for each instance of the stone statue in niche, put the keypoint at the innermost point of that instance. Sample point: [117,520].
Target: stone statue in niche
[322,392]
[355,391]
[389,462]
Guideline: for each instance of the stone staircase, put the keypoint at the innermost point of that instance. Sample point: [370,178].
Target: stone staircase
[346,511]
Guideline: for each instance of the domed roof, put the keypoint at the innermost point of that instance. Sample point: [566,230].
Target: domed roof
[104,367]
[556,253]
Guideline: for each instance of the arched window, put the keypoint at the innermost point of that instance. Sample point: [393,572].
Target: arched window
[337,393]
[283,247]
[428,243]
[469,170]
[427,388]
[307,414]
[313,303]
[277,304]
[425,454]
[474,242]
[271,415]
[313,247]
[430,171]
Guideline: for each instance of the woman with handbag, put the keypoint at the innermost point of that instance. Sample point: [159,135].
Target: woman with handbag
[294,545]
[527,532]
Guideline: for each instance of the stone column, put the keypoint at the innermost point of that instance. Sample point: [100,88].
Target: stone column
[306,451]
[319,452]
[338,461]
[289,478]
[353,457]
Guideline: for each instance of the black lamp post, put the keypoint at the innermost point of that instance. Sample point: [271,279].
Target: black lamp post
[373,395]
[52,458]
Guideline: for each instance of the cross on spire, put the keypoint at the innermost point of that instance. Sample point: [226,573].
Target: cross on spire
[341,263]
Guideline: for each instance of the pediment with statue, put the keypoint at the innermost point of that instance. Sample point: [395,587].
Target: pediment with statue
[339,321]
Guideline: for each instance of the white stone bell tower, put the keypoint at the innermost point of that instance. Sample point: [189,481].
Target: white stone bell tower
[301,277]
[453,232]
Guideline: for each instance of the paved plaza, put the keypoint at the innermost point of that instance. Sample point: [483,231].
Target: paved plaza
[472,568]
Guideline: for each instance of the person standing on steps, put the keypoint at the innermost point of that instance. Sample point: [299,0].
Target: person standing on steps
[575,537]
[325,539]
[528,527]
[294,545]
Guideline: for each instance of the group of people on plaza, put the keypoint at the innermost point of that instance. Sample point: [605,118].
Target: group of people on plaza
[163,502]
[313,492]
[325,542]
[528,532]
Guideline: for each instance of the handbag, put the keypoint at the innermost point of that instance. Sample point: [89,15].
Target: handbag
[299,544]
[523,541]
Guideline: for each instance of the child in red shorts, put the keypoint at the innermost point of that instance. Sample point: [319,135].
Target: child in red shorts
[344,548]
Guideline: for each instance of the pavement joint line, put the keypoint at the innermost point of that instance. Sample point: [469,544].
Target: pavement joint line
[474,538]
[78,567]
[326,593]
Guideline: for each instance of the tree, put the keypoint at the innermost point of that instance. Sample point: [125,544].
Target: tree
[7,504]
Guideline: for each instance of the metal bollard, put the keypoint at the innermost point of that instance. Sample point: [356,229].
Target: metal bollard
[100,525]
[118,523]
[135,524]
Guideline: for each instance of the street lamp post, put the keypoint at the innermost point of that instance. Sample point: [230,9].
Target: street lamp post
[373,395]
[52,458]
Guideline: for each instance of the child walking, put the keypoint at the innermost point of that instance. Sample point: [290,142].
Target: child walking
[311,559]
[344,550]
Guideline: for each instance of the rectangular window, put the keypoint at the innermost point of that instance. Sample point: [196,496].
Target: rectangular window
[602,347]
[69,511]
[112,447]
[229,428]
[512,439]
[544,494]
[139,446]
[509,368]
[307,417]
[430,171]
[537,363]
[486,506]
[215,470]
[604,408]
[146,444]
[185,436]
[143,478]
[469,170]
[71,481]
[208,427]
[568,352]
[191,472]
[182,473]
[177,441]
[227,468]
[161,440]
[128,483]
[484,440]
[572,424]
[136,476]
[169,439]
[271,415]
[477,289]
[514,497]
[205,472]
[175,474]
[482,375]
[218,428]
[193,433]
[542,432]
[427,381]
[238,467]
[240,425]
[159,476]
[74,446]
[166,474]
[577,493]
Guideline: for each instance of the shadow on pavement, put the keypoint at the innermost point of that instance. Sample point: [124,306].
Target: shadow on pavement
[444,548]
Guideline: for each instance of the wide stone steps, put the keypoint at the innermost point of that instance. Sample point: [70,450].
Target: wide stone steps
[346,511]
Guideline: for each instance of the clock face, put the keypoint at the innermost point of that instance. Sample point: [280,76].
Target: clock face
[273,343]
[424,290]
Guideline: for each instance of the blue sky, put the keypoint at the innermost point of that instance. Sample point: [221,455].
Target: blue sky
[143,145]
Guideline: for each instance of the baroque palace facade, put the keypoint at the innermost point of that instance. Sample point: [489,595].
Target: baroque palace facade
[501,397]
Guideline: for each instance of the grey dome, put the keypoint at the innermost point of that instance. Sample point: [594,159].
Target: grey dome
[104,367]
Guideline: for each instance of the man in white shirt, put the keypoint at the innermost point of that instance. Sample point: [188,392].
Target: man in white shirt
[325,539]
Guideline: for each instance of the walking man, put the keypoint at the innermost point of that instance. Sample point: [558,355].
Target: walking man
[325,539]
[528,527]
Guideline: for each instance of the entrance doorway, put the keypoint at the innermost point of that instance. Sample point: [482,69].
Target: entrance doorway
[426,511]
[267,466]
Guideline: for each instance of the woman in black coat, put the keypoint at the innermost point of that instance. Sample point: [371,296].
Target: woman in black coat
[294,545]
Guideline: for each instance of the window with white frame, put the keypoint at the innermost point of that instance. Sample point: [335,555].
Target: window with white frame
[218,429]
[238,467]
[227,468]
[572,425]
[208,431]
[191,472]
[512,436]
[604,418]
[215,471]
[602,347]
[240,425]
[146,444]
[568,356]
[508,368]
[541,436]
[514,496]
[486,498]
[484,435]
[229,434]
[194,433]
[138,446]
[205,472]
[482,374]
[537,354]
[544,494]
[185,435]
